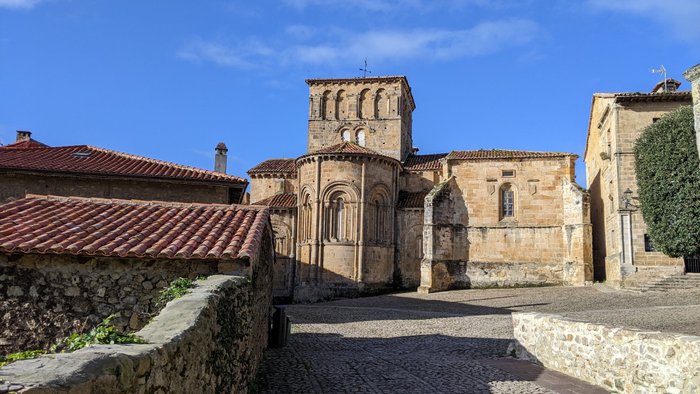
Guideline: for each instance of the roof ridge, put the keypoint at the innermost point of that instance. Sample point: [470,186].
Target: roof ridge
[157,161]
[121,201]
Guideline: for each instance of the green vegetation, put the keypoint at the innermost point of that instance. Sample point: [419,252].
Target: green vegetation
[176,289]
[668,175]
[105,333]
[25,355]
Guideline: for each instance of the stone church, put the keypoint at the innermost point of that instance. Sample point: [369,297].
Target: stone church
[362,212]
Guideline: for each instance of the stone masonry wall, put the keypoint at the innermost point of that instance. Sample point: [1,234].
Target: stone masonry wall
[208,341]
[618,359]
[46,297]
[15,186]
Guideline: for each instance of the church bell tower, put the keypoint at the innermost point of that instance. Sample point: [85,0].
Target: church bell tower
[374,112]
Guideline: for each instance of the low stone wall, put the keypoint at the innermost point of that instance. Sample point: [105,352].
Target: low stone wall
[208,341]
[618,359]
[47,297]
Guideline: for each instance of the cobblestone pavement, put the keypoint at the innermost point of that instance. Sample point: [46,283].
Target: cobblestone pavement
[451,342]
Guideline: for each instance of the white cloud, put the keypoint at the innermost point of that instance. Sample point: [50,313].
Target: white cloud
[303,46]
[242,55]
[16,4]
[394,5]
[439,44]
[682,17]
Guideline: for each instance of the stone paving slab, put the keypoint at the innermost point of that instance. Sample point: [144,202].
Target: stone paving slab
[450,342]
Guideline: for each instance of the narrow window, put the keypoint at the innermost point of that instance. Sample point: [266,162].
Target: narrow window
[339,220]
[345,135]
[507,204]
[508,173]
[648,244]
[361,138]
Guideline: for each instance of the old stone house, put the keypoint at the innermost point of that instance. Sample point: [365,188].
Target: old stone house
[31,167]
[623,253]
[66,263]
[361,211]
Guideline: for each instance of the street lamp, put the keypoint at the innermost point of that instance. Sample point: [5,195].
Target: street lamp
[627,199]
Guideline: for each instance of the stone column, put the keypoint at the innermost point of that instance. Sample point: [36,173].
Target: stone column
[693,75]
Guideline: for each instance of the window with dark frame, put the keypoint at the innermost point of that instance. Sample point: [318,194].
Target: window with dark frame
[648,244]
[507,203]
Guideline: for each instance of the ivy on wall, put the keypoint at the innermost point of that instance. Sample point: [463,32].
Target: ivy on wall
[668,176]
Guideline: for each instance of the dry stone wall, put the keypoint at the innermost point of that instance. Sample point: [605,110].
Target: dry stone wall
[209,341]
[621,360]
[46,297]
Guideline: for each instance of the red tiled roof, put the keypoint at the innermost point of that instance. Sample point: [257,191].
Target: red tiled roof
[84,159]
[411,199]
[274,166]
[423,162]
[653,97]
[502,154]
[30,143]
[127,228]
[344,147]
[282,200]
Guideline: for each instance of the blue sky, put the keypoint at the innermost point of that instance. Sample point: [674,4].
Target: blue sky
[169,80]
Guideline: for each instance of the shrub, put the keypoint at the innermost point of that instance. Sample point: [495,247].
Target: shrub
[176,289]
[25,355]
[105,333]
[668,175]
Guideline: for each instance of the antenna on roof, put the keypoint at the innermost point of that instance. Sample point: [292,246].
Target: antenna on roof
[661,70]
[365,70]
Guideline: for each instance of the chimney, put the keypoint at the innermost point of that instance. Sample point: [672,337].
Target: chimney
[220,158]
[665,86]
[23,135]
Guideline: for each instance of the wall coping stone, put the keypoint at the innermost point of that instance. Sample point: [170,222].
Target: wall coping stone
[549,334]
[72,370]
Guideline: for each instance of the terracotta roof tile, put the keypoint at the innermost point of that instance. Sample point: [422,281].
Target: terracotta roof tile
[411,199]
[282,200]
[344,147]
[423,162]
[653,97]
[275,166]
[128,228]
[486,154]
[30,143]
[85,159]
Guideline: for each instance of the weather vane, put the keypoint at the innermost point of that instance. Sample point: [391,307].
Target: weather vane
[365,70]
[661,70]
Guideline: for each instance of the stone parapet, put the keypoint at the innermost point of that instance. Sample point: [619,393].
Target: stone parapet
[618,359]
[208,341]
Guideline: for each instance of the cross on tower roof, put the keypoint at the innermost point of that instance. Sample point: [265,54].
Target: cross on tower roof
[365,70]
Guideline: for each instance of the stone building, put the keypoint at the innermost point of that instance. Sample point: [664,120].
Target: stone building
[31,167]
[66,263]
[362,212]
[623,253]
[693,76]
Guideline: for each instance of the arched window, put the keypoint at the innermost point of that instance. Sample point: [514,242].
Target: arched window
[378,224]
[381,107]
[339,215]
[507,198]
[340,106]
[305,219]
[345,135]
[325,107]
[361,138]
[365,105]
[339,219]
